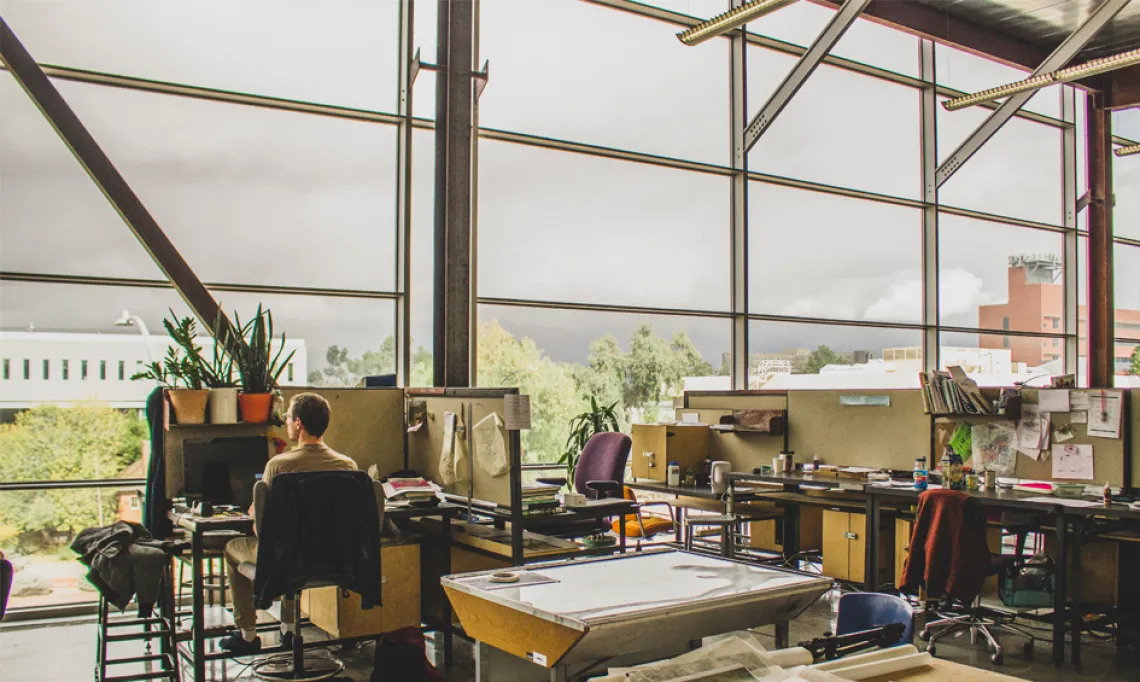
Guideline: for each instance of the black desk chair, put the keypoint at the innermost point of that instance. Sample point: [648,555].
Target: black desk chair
[315,529]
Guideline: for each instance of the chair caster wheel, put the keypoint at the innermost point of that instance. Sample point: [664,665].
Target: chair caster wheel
[998,659]
[1028,648]
[924,635]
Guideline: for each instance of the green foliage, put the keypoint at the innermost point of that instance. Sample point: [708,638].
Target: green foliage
[252,350]
[52,443]
[1136,360]
[821,357]
[342,370]
[597,419]
[182,367]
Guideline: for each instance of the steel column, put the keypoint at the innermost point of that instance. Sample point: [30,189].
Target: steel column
[1100,304]
[452,339]
[803,69]
[99,167]
[1059,58]
[1070,255]
[738,106]
[930,305]
[404,196]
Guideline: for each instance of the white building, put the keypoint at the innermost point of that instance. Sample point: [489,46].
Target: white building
[67,368]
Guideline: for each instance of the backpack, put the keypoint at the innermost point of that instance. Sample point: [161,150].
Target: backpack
[401,656]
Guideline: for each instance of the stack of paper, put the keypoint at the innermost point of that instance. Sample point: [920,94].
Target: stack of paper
[410,490]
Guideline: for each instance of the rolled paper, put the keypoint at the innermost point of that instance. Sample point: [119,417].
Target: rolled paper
[877,655]
[888,666]
[789,658]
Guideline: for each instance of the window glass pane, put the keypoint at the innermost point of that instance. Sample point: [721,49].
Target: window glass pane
[569,227]
[1127,365]
[989,272]
[562,357]
[1126,123]
[702,9]
[423,256]
[1126,185]
[1126,270]
[253,195]
[1016,173]
[1000,360]
[1082,148]
[343,52]
[813,254]
[39,525]
[970,73]
[53,218]
[644,91]
[865,41]
[785,356]
[805,143]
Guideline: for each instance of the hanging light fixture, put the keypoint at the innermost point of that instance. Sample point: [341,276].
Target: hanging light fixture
[1127,151]
[733,18]
[1068,74]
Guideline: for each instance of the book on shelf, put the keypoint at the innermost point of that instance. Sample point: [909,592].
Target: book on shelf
[952,392]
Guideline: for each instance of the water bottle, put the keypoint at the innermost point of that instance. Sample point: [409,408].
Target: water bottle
[920,474]
[673,474]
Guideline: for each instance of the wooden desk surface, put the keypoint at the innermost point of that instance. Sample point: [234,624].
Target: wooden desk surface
[945,671]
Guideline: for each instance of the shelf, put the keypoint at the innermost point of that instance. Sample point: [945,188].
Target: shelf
[732,428]
[237,426]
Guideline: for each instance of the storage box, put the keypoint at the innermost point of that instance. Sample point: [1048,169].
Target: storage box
[338,611]
[655,445]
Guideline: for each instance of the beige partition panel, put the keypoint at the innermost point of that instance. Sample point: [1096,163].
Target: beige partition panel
[367,424]
[845,435]
[1108,453]
[425,446]
[1134,430]
[743,451]
[735,400]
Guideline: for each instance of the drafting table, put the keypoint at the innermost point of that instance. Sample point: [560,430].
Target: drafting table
[587,615]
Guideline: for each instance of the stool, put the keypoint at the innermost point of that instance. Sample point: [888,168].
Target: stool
[726,523]
[214,567]
[167,656]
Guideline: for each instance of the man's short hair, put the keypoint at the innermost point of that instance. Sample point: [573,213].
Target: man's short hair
[313,411]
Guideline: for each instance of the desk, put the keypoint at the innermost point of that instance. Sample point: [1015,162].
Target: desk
[622,610]
[592,510]
[945,671]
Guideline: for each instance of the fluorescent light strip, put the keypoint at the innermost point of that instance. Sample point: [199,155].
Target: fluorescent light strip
[1127,151]
[733,18]
[1071,73]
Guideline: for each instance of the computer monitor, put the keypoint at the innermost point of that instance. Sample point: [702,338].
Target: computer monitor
[223,470]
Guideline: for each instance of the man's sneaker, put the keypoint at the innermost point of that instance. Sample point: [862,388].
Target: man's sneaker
[238,646]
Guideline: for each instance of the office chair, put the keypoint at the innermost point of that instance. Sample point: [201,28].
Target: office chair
[645,526]
[859,611]
[600,474]
[311,499]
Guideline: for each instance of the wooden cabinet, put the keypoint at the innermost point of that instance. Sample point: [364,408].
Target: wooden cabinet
[845,547]
[338,612]
[903,530]
[765,535]
[684,443]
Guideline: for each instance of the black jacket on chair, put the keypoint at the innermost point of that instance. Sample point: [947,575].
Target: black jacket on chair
[319,526]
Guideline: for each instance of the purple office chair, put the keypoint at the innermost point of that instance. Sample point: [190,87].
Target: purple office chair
[601,466]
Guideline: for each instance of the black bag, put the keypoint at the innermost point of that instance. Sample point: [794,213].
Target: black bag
[401,656]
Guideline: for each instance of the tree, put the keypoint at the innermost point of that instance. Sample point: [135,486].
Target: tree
[692,364]
[652,371]
[1136,360]
[821,357]
[342,370]
[52,443]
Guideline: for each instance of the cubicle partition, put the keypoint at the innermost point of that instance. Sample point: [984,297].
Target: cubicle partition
[859,428]
[741,450]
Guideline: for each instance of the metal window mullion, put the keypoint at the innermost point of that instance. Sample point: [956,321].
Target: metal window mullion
[738,102]
[929,141]
[404,196]
[1070,256]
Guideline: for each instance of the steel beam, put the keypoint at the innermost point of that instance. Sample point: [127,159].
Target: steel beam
[1124,88]
[738,101]
[404,195]
[1058,59]
[99,167]
[1100,304]
[453,255]
[931,348]
[803,69]
[1070,256]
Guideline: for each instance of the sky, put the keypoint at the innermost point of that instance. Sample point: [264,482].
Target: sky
[256,196]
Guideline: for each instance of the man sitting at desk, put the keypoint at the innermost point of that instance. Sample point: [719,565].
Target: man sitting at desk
[305,421]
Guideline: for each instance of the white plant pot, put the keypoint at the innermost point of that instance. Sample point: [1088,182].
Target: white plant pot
[223,405]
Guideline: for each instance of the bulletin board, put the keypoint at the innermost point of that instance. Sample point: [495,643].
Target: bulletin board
[871,436]
[1108,453]
[425,444]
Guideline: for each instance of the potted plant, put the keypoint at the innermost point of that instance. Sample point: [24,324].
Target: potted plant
[598,419]
[258,366]
[181,371]
[220,376]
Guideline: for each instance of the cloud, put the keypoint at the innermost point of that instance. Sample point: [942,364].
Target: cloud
[961,294]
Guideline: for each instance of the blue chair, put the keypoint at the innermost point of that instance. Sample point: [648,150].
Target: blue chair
[860,611]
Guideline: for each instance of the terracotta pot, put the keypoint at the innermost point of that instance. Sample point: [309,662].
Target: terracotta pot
[189,405]
[223,405]
[255,407]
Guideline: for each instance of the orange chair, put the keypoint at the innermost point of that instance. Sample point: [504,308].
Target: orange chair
[639,525]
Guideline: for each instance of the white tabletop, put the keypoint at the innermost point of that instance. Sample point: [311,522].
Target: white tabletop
[590,592]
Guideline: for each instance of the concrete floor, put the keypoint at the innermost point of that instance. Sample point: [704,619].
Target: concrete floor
[55,652]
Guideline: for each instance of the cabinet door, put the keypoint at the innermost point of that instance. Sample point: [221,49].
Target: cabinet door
[836,545]
[857,547]
[902,546]
[400,593]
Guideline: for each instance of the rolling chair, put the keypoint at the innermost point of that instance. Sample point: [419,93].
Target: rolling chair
[645,526]
[600,474]
[859,611]
[291,557]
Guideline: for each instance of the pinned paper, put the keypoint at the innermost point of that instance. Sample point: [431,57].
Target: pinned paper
[992,445]
[690,418]
[1073,461]
[516,412]
[961,443]
[1063,434]
[1081,417]
[1032,430]
[1105,413]
[1053,401]
[491,446]
[1079,401]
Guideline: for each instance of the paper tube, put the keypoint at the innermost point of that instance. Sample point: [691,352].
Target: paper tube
[813,675]
[789,658]
[884,667]
[877,655]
